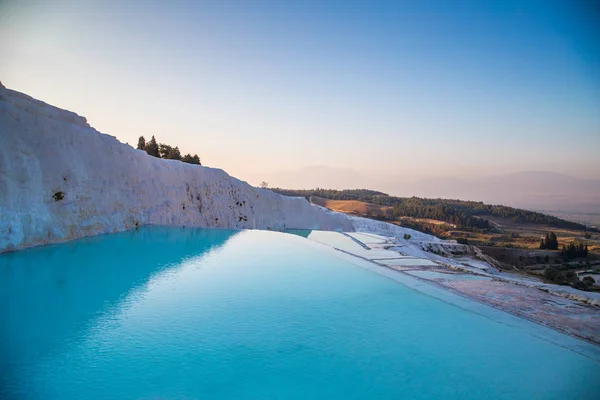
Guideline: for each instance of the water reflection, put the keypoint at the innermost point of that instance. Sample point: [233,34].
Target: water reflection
[50,293]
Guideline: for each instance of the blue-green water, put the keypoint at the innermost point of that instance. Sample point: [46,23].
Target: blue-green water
[174,313]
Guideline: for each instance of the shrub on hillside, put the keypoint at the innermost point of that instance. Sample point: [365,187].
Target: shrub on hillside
[588,280]
[568,277]
[551,273]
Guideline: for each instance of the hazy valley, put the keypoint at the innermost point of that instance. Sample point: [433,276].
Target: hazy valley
[562,195]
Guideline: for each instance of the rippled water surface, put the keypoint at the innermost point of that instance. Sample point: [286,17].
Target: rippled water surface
[175,313]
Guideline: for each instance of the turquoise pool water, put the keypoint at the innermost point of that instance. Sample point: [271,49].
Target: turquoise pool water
[175,313]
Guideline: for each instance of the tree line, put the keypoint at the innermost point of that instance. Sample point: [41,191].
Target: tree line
[166,151]
[574,250]
[415,208]
[365,195]
[464,214]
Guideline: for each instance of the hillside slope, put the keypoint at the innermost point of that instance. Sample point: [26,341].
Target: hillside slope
[467,214]
[60,179]
[354,207]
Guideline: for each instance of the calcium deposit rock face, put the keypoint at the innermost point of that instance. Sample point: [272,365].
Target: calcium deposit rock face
[60,179]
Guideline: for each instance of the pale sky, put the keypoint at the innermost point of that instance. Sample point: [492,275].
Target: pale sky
[419,88]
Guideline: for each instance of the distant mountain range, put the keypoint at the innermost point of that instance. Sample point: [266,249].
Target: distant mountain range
[559,194]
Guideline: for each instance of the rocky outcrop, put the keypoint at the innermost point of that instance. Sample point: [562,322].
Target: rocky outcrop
[60,179]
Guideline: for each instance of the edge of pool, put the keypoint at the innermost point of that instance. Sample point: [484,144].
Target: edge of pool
[549,334]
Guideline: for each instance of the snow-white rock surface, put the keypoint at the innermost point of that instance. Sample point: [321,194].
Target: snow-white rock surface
[60,179]
[390,230]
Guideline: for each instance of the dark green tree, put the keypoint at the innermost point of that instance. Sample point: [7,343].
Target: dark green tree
[550,242]
[152,148]
[141,143]
[551,273]
[164,150]
[168,152]
[174,154]
[188,158]
[588,280]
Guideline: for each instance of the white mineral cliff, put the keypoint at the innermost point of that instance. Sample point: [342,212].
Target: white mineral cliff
[60,179]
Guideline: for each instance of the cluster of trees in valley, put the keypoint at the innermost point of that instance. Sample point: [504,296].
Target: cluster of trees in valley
[568,251]
[568,277]
[166,151]
[469,215]
[550,242]
[574,250]
[417,208]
